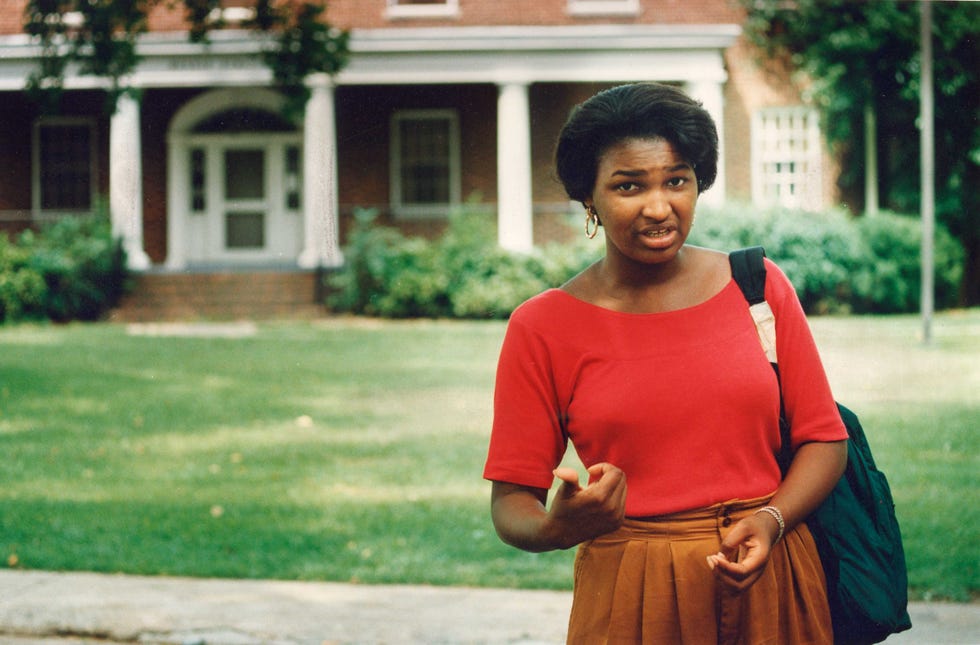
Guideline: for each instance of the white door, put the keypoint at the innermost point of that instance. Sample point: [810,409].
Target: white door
[243,213]
[246,202]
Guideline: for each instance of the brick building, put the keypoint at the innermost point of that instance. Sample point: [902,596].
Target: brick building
[442,100]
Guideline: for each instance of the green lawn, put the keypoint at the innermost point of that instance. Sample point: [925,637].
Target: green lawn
[352,449]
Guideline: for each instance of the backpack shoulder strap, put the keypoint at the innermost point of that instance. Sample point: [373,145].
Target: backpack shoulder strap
[749,273]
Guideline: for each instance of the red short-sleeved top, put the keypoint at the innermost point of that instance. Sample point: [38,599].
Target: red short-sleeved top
[684,402]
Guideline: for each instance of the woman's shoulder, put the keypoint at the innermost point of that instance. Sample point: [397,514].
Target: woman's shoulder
[552,317]
[778,284]
[581,284]
[544,305]
[709,261]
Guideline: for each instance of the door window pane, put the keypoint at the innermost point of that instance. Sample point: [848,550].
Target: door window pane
[243,120]
[244,230]
[198,181]
[244,174]
[293,178]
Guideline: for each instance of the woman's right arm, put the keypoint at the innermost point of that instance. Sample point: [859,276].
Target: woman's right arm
[577,514]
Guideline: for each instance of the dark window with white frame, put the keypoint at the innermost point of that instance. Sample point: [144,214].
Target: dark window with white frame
[787,158]
[199,180]
[424,162]
[422,8]
[64,165]
[293,178]
[603,7]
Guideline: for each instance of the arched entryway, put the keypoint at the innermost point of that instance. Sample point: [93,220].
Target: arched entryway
[235,185]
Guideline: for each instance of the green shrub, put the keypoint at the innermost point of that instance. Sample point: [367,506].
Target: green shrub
[463,274]
[386,274]
[495,293]
[891,280]
[72,269]
[839,263]
[817,251]
[22,288]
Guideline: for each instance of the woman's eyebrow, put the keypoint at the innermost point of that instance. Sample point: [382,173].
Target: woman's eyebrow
[629,172]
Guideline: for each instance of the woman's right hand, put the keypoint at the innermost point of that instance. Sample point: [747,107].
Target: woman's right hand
[577,514]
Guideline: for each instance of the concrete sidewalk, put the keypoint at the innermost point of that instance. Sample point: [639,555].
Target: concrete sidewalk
[80,608]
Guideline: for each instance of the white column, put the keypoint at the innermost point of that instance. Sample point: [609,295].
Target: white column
[870,159]
[126,181]
[178,189]
[514,203]
[712,98]
[321,245]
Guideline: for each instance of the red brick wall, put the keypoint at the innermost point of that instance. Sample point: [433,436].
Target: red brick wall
[12,16]
[371,14]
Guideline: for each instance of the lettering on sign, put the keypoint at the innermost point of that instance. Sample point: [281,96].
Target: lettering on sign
[201,63]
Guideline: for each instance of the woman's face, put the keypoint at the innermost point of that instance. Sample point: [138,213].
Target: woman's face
[645,194]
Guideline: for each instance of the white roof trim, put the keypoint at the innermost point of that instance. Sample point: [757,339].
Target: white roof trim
[597,53]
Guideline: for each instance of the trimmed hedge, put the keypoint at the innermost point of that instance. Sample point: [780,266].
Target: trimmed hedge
[838,263]
[72,269]
[463,274]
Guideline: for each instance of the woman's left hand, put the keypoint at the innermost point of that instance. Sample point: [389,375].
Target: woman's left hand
[745,552]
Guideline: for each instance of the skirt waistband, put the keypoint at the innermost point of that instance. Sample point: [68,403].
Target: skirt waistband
[708,519]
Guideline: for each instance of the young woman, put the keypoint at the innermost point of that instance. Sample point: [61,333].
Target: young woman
[649,362]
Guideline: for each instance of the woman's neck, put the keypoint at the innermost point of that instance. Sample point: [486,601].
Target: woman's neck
[618,273]
[688,279]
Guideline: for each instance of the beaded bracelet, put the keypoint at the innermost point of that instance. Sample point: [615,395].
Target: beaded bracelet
[778,515]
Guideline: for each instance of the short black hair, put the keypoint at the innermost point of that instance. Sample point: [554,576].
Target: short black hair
[641,111]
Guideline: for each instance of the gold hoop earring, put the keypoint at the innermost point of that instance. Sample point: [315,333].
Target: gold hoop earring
[591,218]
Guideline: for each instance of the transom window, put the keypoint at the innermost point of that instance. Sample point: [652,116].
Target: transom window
[603,7]
[424,162]
[237,120]
[422,8]
[787,158]
[64,165]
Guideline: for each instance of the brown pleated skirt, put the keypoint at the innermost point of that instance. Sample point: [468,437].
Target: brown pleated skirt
[649,582]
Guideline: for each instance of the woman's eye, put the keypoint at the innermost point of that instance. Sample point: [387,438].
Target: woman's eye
[676,182]
[627,187]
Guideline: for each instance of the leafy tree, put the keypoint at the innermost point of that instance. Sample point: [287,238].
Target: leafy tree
[858,56]
[100,36]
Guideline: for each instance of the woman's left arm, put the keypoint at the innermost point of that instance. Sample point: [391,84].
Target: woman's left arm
[820,454]
[815,470]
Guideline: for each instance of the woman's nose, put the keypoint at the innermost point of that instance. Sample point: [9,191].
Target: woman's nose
[657,205]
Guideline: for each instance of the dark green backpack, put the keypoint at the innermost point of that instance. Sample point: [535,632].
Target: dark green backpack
[855,529]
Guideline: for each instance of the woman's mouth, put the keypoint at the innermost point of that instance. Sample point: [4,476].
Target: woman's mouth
[659,238]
